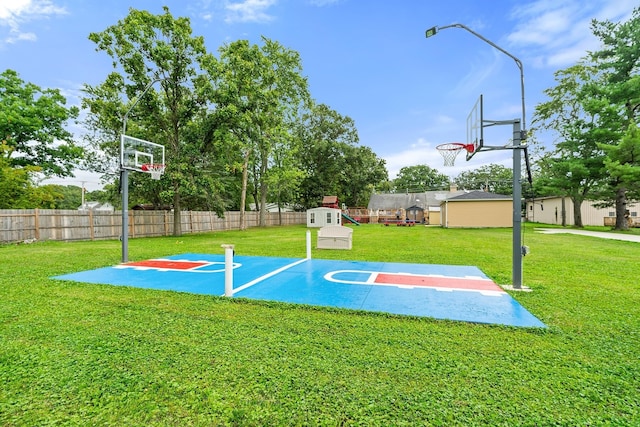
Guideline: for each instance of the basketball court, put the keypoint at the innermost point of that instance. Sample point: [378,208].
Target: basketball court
[461,293]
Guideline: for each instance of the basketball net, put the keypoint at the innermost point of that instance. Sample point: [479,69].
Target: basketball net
[154,169]
[450,151]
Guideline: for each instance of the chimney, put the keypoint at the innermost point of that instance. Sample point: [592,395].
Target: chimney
[453,187]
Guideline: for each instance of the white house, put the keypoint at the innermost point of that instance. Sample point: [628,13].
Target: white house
[97,207]
[320,217]
[552,210]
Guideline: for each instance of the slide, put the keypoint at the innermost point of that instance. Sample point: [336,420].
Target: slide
[348,218]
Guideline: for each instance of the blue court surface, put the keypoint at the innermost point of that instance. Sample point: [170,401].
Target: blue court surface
[453,292]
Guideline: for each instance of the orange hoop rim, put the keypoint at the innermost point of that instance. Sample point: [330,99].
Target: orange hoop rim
[156,170]
[455,146]
[151,167]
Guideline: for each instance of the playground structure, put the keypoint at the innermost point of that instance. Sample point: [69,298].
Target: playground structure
[329,213]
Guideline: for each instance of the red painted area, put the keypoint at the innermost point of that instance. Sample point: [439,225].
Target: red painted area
[437,282]
[168,264]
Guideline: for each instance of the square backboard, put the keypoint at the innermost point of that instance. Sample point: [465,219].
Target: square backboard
[136,154]
[475,135]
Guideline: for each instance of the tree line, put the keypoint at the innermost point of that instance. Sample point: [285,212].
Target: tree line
[241,127]
[593,109]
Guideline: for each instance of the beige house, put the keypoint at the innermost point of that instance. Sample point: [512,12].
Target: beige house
[559,210]
[477,209]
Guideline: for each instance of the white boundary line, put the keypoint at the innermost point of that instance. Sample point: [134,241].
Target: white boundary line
[268,275]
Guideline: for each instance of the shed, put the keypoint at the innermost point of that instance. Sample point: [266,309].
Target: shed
[415,213]
[477,209]
[320,217]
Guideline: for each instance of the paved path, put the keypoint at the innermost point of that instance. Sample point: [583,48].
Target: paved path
[601,234]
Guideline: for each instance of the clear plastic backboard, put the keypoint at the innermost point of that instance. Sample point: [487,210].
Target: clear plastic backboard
[475,135]
[140,155]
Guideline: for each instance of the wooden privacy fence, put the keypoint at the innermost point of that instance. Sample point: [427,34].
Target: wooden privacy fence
[18,225]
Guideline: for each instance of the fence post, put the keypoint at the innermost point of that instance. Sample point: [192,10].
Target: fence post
[36,223]
[91,230]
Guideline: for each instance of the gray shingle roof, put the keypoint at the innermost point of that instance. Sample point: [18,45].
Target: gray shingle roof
[479,195]
[406,200]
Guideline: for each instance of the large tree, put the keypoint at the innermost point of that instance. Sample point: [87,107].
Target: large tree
[419,178]
[494,178]
[623,166]
[364,172]
[17,188]
[259,92]
[575,167]
[147,48]
[326,136]
[33,127]
[619,61]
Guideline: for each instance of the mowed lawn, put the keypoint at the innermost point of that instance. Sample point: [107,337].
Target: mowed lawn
[83,354]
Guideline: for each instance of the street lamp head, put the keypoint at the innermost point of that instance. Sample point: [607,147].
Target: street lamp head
[431,32]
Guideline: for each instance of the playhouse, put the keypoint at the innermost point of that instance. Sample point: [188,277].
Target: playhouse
[328,214]
[321,217]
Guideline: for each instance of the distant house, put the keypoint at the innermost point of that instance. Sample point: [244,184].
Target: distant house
[423,207]
[97,207]
[273,207]
[453,208]
[477,209]
[559,210]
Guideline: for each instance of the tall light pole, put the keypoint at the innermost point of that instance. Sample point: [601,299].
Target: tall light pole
[124,175]
[519,135]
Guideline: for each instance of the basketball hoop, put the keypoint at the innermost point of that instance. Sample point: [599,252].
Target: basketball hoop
[450,151]
[154,169]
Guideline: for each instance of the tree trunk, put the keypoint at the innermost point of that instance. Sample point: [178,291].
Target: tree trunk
[243,194]
[577,211]
[622,215]
[263,189]
[177,220]
[564,212]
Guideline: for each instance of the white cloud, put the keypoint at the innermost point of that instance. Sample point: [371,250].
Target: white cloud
[557,33]
[478,72]
[249,11]
[15,13]
[423,152]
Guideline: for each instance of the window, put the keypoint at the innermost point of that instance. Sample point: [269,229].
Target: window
[634,213]
[328,217]
[312,218]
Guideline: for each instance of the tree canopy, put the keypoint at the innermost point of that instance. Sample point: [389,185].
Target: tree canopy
[419,178]
[594,109]
[33,127]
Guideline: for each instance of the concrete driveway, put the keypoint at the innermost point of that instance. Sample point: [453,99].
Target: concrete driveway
[601,234]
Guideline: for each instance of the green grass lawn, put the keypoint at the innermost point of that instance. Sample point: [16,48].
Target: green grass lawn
[82,354]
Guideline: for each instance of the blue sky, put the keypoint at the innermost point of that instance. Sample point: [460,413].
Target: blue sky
[366,59]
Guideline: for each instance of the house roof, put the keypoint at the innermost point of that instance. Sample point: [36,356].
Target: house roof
[405,200]
[479,195]
[330,199]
